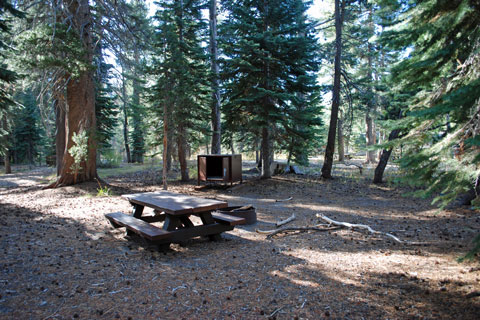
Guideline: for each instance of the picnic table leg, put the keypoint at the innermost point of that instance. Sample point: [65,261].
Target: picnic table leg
[171,223]
[137,212]
[187,223]
[208,219]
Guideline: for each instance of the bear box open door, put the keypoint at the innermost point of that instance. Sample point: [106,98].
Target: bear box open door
[220,168]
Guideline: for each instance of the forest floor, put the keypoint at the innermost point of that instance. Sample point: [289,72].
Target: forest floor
[61,259]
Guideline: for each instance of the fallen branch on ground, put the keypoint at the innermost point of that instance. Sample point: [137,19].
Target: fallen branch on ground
[271,233]
[358,226]
[283,200]
[337,225]
[282,222]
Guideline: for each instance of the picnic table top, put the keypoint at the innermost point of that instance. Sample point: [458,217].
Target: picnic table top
[174,203]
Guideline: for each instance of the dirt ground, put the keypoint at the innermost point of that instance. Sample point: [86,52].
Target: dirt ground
[61,259]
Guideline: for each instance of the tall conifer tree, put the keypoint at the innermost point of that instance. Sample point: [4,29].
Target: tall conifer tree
[7,76]
[181,71]
[270,48]
[443,69]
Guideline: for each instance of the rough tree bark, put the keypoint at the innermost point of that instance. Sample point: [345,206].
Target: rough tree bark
[169,144]
[8,167]
[340,138]
[216,121]
[330,149]
[182,151]
[80,103]
[370,136]
[382,164]
[60,137]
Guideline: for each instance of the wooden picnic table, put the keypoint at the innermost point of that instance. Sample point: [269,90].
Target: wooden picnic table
[174,210]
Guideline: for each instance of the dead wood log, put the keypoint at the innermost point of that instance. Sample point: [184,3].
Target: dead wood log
[271,233]
[282,222]
[358,226]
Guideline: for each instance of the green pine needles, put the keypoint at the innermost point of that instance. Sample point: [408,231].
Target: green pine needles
[79,151]
[270,69]
[442,72]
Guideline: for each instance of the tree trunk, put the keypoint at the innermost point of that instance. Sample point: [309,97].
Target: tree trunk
[8,167]
[290,151]
[138,139]
[371,105]
[165,146]
[382,164]
[125,120]
[267,153]
[370,136]
[169,144]
[80,111]
[232,146]
[60,132]
[257,156]
[216,122]
[381,139]
[182,151]
[330,149]
[341,140]
[5,143]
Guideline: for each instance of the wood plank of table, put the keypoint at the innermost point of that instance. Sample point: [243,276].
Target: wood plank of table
[175,203]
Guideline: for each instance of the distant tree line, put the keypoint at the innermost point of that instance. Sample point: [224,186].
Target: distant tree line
[382,77]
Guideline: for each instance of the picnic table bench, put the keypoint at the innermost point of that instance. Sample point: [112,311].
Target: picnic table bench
[175,211]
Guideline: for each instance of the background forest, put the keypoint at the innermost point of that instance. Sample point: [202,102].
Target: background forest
[87,84]
[372,106]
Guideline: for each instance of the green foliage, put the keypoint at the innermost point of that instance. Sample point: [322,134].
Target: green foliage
[79,151]
[138,114]
[442,73]
[110,159]
[270,67]
[472,253]
[104,192]
[28,136]
[7,76]
[106,110]
[181,69]
[53,47]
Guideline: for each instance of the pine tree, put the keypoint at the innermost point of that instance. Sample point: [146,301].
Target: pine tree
[181,83]
[129,38]
[270,48]
[27,133]
[443,70]
[7,76]
[330,148]
[106,110]
[215,82]
[137,135]
[64,50]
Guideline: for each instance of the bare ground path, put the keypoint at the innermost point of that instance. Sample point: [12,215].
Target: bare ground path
[60,258]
